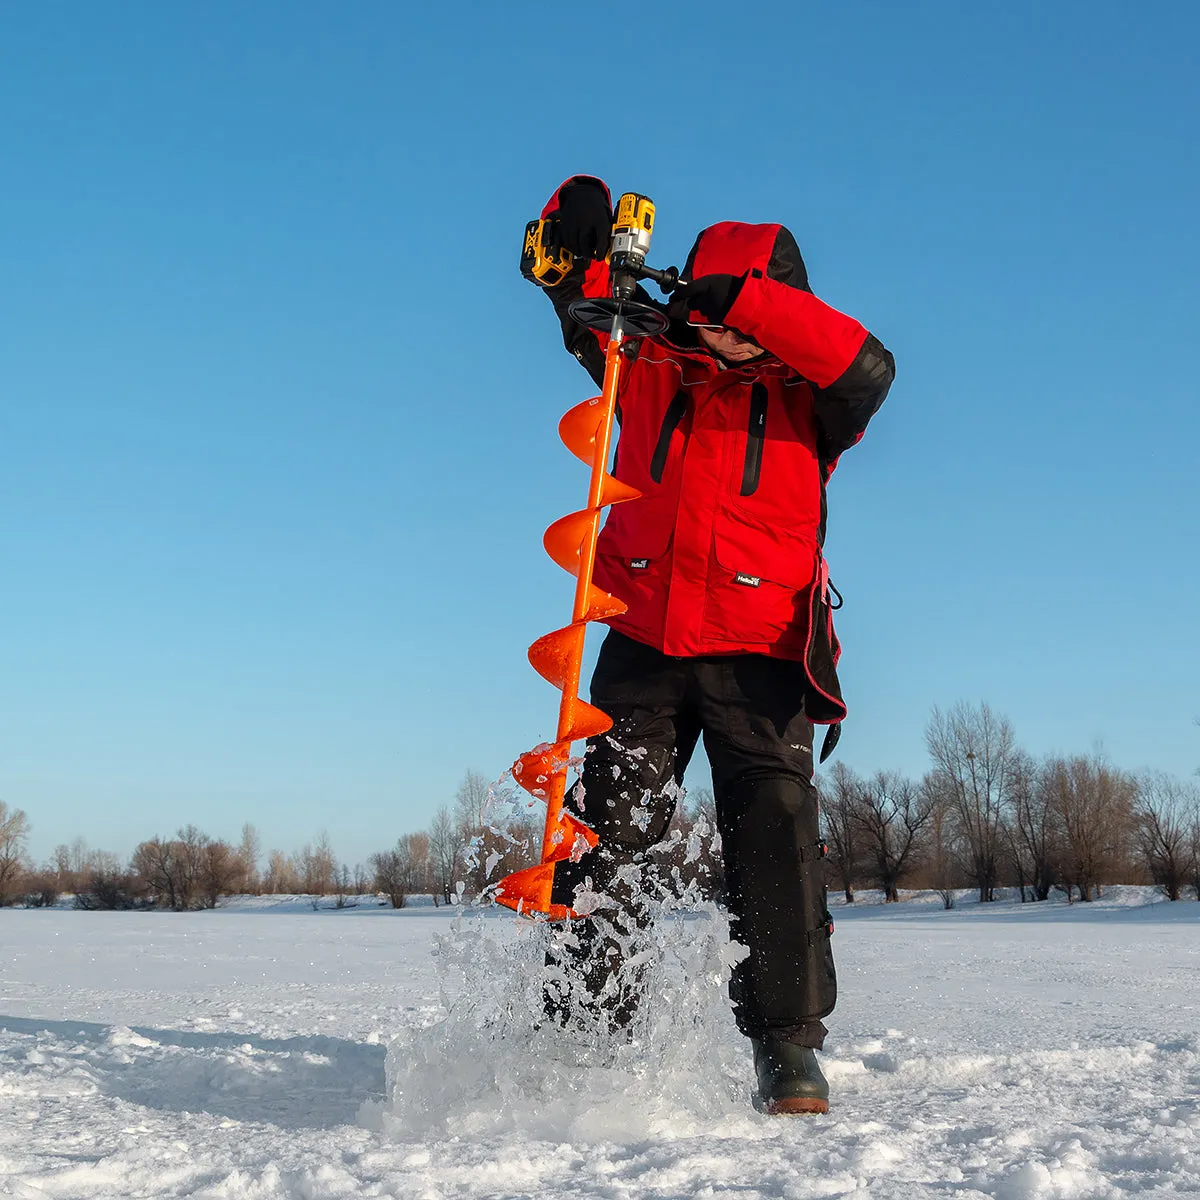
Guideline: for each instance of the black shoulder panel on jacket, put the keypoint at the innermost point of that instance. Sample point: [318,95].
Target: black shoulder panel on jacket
[846,406]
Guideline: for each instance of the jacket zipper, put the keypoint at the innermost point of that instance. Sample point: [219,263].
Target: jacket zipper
[754,440]
[674,414]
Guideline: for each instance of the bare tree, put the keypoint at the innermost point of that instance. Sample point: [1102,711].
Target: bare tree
[74,864]
[471,803]
[105,861]
[60,861]
[281,877]
[191,847]
[174,870]
[419,854]
[1163,818]
[343,888]
[1093,807]
[14,829]
[109,886]
[494,836]
[1194,844]
[940,851]
[222,872]
[972,750]
[402,871]
[81,858]
[391,877]
[840,829]
[154,862]
[39,889]
[249,851]
[1029,827]
[443,846]
[891,812]
[393,872]
[316,866]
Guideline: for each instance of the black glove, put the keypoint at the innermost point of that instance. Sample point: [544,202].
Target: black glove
[711,295]
[583,223]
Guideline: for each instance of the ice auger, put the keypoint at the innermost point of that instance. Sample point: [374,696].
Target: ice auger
[586,430]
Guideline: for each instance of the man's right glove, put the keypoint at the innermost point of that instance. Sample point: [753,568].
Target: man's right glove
[710,295]
[583,223]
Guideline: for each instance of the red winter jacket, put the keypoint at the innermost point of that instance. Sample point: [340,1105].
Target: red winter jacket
[722,552]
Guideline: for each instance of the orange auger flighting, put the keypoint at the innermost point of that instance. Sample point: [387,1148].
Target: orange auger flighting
[586,430]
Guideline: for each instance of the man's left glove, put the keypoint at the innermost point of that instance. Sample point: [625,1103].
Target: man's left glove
[710,295]
[583,223]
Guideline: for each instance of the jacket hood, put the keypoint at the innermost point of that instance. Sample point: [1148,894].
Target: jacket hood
[731,248]
[734,248]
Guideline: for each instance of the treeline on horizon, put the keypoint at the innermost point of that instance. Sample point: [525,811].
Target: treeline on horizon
[986,815]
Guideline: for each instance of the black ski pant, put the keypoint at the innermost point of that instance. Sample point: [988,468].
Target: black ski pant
[750,711]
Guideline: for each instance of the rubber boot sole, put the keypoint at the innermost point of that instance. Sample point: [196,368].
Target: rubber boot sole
[792,1106]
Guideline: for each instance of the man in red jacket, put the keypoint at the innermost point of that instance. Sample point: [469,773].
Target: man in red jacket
[731,423]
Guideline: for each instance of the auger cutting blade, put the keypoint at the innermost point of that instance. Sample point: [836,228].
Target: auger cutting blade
[579,427]
[529,890]
[585,720]
[528,893]
[535,769]
[553,653]
[564,539]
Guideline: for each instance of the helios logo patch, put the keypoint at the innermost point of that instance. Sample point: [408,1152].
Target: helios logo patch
[748,580]
[638,564]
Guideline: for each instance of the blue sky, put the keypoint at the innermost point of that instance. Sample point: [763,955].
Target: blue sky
[277,411]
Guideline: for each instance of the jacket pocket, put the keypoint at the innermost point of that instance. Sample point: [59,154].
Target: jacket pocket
[759,588]
[760,551]
[633,563]
[640,528]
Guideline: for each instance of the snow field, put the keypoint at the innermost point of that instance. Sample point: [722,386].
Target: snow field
[1014,1052]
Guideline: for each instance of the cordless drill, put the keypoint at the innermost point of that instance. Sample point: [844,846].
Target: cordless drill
[547,264]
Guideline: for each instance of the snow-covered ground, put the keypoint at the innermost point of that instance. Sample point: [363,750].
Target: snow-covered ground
[1010,1051]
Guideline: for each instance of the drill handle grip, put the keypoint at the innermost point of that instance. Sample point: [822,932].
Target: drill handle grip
[668,280]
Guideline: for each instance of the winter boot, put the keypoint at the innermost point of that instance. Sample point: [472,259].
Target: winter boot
[789,1079]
